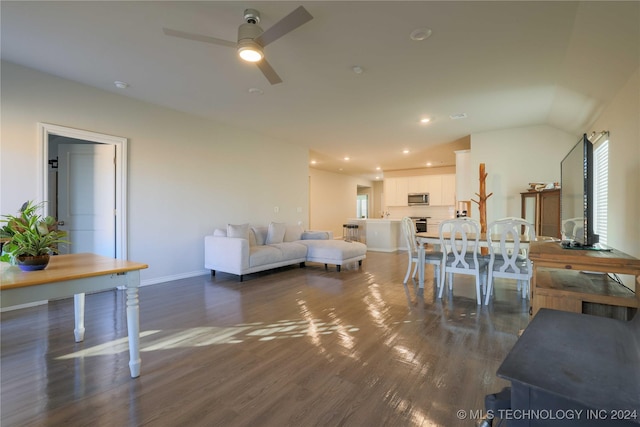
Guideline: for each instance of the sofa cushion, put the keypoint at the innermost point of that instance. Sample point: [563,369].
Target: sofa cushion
[333,251]
[239,230]
[291,250]
[276,231]
[260,235]
[293,233]
[264,254]
[219,232]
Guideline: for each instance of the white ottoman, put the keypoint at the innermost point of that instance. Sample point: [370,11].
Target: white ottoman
[336,252]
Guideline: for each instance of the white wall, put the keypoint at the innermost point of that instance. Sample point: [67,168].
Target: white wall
[513,158]
[333,199]
[187,175]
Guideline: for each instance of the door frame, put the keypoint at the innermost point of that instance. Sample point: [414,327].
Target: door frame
[46,129]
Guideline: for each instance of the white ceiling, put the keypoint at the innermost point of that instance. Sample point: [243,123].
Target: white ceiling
[504,64]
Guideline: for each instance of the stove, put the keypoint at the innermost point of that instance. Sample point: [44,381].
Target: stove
[420,223]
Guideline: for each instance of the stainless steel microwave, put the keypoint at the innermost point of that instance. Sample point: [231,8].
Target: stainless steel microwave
[414,199]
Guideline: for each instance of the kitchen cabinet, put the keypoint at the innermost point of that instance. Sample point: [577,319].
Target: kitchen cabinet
[418,184]
[542,209]
[434,188]
[395,191]
[441,189]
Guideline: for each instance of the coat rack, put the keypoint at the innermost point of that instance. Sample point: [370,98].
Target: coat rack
[482,203]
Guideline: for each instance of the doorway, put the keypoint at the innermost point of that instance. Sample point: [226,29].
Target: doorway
[362,201]
[107,192]
[362,210]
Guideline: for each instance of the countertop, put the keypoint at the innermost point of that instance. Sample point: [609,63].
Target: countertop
[375,219]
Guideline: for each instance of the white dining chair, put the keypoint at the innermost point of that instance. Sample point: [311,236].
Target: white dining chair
[507,255]
[460,242]
[431,257]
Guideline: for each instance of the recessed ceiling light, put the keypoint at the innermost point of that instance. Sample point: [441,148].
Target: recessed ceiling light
[313,162]
[357,69]
[377,177]
[458,116]
[121,85]
[378,168]
[347,158]
[255,91]
[425,120]
[420,34]
[405,151]
[428,163]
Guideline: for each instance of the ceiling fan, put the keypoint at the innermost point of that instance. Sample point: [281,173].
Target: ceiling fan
[252,39]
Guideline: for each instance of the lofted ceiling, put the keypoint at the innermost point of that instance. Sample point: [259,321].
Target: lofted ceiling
[501,64]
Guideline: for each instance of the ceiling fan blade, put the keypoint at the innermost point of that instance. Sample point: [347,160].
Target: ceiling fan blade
[198,37]
[287,24]
[269,72]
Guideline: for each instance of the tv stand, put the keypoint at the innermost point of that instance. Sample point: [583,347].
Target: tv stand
[559,283]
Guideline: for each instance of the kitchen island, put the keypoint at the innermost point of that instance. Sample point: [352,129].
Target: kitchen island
[380,234]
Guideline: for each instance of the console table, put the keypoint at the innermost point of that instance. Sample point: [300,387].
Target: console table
[558,282]
[76,274]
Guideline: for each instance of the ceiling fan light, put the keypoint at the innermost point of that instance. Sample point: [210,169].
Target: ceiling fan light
[248,48]
[250,53]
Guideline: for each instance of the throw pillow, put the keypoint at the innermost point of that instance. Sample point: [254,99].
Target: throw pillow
[315,235]
[276,231]
[241,231]
[219,232]
[260,234]
[293,233]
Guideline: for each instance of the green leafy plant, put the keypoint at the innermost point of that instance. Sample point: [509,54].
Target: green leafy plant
[29,234]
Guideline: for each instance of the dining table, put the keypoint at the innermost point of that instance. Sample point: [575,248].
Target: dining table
[433,238]
[76,274]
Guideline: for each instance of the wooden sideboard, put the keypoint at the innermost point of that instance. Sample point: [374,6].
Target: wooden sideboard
[542,209]
[563,279]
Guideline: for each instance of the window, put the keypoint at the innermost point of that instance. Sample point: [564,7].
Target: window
[600,188]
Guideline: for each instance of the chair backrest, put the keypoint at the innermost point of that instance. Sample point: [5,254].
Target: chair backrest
[459,238]
[409,232]
[572,227]
[504,237]
[527,227]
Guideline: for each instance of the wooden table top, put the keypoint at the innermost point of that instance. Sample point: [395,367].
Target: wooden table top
[483,237]
[65,267]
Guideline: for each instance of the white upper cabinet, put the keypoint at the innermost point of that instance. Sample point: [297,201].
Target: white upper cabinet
[395,191]
[441,189]
[418,184]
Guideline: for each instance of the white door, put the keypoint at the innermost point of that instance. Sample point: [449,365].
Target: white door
[86,197]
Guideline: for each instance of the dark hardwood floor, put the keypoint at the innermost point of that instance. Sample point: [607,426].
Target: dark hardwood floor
[293,347]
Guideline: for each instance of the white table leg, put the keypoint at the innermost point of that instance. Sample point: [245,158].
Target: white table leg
[78,307]
[421,259]
[133,322]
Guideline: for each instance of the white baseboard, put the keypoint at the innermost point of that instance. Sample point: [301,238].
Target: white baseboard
[158,280]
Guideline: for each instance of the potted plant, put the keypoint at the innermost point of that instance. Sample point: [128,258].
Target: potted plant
[30,238]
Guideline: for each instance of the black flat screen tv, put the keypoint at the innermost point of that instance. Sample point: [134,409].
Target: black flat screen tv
[576,196]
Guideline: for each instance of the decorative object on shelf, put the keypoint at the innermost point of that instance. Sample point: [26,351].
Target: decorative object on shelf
[30,238]
[482,203]
[541,186]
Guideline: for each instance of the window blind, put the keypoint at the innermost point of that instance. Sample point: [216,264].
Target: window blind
[600,188]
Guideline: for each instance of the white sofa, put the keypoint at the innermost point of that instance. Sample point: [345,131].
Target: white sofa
[243,249]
